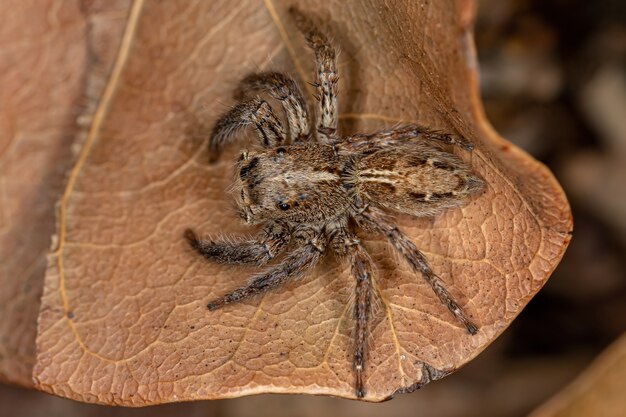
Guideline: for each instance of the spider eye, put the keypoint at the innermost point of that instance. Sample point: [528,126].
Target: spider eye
[283,206]
[280,151]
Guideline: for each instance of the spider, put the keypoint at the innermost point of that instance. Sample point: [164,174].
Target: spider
[312,189]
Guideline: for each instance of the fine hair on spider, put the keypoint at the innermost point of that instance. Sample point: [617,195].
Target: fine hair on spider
[311,189]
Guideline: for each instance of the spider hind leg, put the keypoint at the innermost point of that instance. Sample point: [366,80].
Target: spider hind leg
[362,272]
[405,134]
[347,244]
[375,221]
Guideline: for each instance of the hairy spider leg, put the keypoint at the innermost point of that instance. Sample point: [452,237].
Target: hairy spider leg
[346,244]
[362,273]
[284,89]
[294,264]
[403,134]
[254,111]
[327,77]
[271,242]
[374,220]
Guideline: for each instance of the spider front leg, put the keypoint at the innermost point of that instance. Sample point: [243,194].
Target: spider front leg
[374,220]
[327,79]
[273,239]
[294,264]
[255,111]
[284,89]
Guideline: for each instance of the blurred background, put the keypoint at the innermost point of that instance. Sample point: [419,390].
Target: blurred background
[553,79]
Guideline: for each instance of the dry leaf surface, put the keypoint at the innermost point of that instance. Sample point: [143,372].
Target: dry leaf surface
[42,59]
[56,56]
[124,317]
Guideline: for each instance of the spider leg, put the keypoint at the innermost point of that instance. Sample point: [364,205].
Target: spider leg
[362,272]
[374,220]
[326,82]
[403,134]
[294,264]
[272,240]
[284,89]
[347,244]
[254,111]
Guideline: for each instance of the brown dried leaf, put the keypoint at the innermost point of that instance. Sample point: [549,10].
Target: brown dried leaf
[123,316]
[42,59]
[598,391]
[55,56]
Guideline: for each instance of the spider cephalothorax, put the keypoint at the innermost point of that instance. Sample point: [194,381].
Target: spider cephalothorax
[311,188]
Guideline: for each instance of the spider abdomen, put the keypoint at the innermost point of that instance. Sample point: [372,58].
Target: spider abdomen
[417,179]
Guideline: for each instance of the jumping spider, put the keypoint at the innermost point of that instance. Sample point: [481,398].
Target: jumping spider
[311,188]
